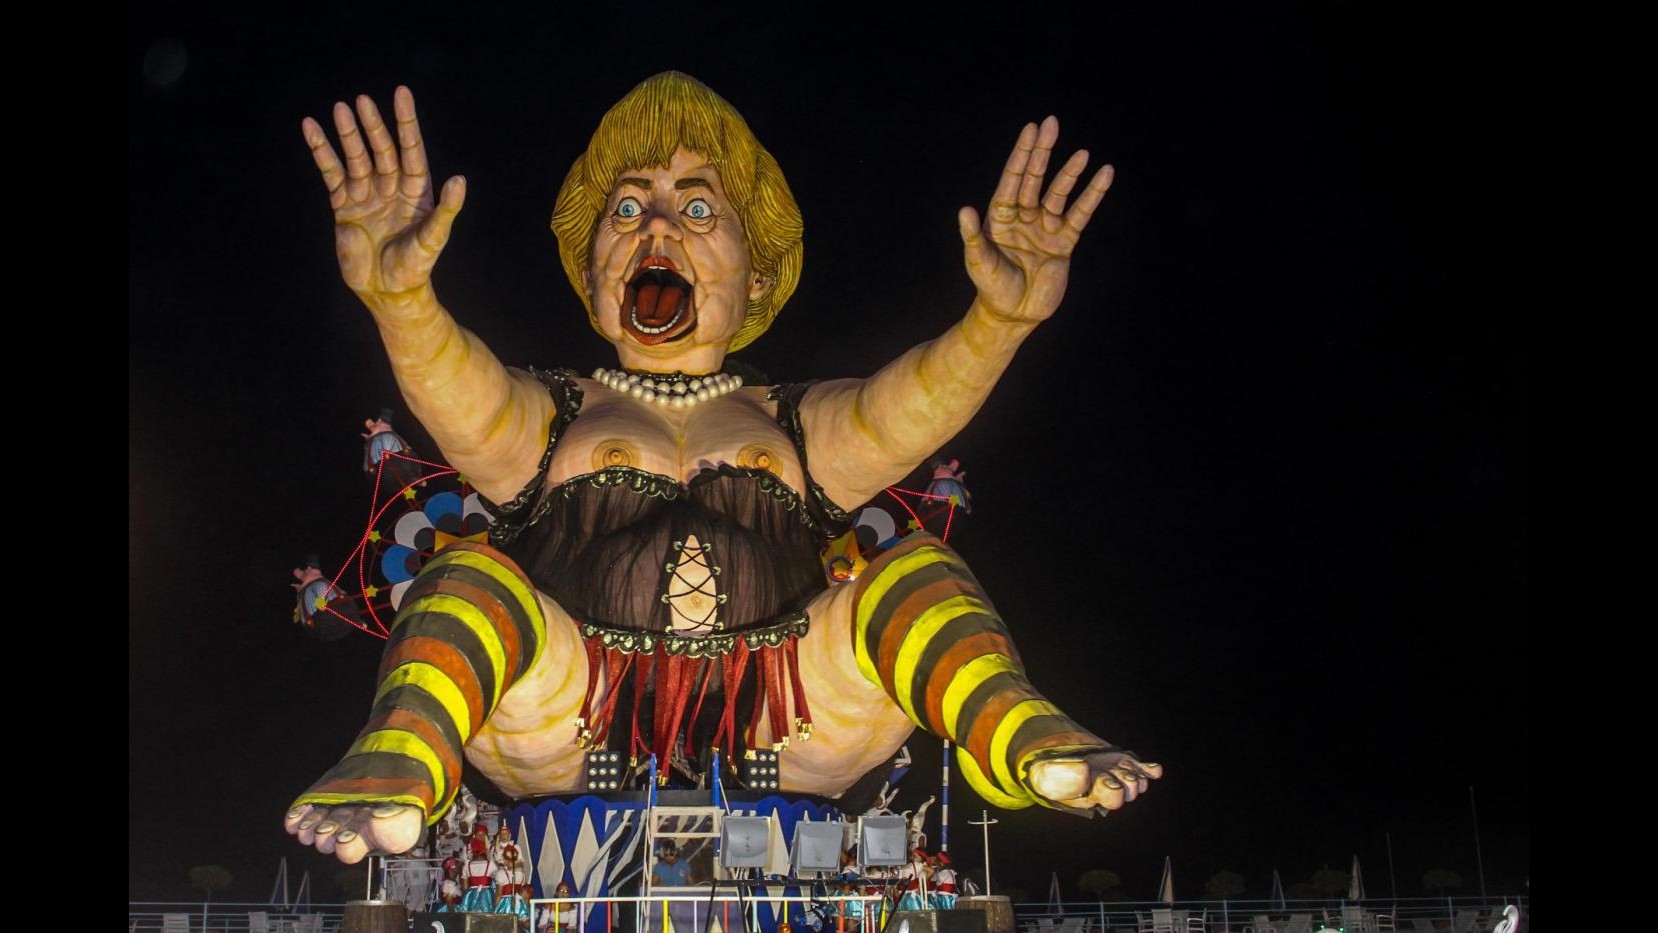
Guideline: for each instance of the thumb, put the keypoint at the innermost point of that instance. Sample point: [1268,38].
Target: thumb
[979,253]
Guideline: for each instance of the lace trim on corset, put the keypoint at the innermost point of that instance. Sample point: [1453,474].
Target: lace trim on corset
[793,625]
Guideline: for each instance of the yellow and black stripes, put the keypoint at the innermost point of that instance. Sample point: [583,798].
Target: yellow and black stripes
[469,628]
[924,630]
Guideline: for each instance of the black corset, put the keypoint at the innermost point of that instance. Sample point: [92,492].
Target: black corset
[603,546]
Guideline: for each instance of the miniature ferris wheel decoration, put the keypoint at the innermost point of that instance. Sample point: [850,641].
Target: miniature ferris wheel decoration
[418,508]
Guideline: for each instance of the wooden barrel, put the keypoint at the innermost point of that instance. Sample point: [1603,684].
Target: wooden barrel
[998,911]
[375,917]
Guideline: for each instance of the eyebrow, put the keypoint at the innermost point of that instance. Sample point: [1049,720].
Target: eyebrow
[635,182]
[692,182]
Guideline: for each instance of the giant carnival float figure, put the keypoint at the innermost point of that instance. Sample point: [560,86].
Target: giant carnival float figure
[660,527]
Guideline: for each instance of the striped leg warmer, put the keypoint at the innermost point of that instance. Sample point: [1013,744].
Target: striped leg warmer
[469,628]
[924,630]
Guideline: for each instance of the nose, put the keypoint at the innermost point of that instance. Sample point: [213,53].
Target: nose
[663,225]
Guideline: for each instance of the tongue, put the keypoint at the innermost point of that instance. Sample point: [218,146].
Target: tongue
[656,303]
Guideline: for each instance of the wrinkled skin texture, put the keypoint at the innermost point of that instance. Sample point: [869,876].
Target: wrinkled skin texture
[862,435]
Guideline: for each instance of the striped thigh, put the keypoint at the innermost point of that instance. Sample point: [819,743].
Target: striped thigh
[469,627]
[925,631]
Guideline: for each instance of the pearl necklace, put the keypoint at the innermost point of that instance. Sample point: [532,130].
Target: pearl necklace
[672,390]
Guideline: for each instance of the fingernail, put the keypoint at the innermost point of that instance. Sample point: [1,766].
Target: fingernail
[386,810]
[326,827]
[348,835]
[295,812]
[1113,785]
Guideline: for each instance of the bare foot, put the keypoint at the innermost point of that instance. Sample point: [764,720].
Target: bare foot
[1106,779]
[352,831]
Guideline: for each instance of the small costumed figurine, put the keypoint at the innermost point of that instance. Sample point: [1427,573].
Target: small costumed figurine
[480,878]
[948,481]
[498,845]
[450,889]
[512,885]
[913,881]
[944,882]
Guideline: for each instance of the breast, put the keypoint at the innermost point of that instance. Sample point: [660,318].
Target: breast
[613,429]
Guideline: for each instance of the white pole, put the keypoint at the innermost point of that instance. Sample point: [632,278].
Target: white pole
[987,822]
[1478,856]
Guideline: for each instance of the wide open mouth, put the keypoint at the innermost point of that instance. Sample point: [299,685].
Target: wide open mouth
[657,306]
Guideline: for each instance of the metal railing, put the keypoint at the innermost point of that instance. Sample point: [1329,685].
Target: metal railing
[230,917]
[1372,915]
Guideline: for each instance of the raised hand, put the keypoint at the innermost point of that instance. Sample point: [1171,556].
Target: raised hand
[1020,260]
[387,230]
[1108,779]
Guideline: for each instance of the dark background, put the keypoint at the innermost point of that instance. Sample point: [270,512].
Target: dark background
[1255,502]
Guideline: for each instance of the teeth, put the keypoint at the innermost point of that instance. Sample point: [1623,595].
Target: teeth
[643,328]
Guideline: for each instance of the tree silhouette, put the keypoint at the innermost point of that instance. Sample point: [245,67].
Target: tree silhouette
[210,878]
[1331,882]
[1224,884]
[1100,882]
[1441,879]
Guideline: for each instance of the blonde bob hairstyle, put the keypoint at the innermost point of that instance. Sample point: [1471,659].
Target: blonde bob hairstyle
[644,129]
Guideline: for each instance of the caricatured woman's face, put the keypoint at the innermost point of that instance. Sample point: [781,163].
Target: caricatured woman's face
[670,276]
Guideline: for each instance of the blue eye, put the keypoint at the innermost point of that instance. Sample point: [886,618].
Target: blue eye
[629,208]
[698,210]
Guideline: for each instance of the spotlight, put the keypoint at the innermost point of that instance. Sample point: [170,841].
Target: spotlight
[883,841]
[745,841]
[760,771]
[604,771]
[817,846]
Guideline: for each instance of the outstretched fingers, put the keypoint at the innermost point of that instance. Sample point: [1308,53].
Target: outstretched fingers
[1036,167]
[328,162]
[415,182]
[1004,204]
[379,143]
[357,161]
[1060,191]
[1077,217]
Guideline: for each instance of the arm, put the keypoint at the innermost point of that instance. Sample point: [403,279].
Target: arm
[491,423]
[863,435]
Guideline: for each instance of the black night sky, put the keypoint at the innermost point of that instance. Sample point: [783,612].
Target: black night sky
[1255,502]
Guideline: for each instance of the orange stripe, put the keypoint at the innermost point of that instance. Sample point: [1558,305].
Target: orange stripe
[448,659]
[904,616]
[499,616]
[983,729]
[938,680]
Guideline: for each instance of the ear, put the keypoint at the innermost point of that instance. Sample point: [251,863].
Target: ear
[587,281]
[758,286]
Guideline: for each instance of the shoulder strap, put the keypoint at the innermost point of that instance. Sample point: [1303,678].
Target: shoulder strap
[512,516]
[831,517]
